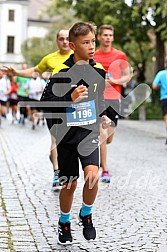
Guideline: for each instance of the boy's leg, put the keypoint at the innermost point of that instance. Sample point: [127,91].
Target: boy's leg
[91,184]
[69,172]
[89,195]
[64,224]
[90,162]
[66,196]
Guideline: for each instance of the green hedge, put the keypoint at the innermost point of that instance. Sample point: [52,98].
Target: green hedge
[153,108]
[153,111]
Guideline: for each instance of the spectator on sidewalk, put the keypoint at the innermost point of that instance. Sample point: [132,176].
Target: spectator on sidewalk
[160,81]
[48,63]
[116,66]
[81,139]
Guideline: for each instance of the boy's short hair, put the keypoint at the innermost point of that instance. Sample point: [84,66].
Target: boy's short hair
[81,29]
[105,27]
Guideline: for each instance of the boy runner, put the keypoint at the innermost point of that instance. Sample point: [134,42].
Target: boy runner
[77,136]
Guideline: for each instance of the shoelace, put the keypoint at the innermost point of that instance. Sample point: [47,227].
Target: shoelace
[66,230]
[87,222]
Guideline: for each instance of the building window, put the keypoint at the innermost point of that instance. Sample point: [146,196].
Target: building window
[11,15]
[10,44]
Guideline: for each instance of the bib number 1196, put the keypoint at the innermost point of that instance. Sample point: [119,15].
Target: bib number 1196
[82,114]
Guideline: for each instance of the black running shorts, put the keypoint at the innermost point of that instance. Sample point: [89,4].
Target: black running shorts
[3,103]
[71,150]
[113,107]
[164,106]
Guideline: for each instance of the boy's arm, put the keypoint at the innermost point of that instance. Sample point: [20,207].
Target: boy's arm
[79,93]
[52,88]
[106,122]
[55,88]
[101,103]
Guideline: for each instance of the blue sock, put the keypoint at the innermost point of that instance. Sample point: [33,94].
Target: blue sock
[86,209]
[64,217]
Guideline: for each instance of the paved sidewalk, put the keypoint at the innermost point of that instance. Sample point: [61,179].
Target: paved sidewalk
[129,213]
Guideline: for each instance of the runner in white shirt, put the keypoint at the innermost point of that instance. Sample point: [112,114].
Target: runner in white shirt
[5,88]
[35,87]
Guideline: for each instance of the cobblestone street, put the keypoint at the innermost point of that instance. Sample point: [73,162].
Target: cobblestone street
[130,213]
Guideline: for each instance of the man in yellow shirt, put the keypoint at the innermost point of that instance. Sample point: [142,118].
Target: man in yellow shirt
[47,64]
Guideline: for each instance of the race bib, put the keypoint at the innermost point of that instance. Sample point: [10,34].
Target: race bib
[83,113]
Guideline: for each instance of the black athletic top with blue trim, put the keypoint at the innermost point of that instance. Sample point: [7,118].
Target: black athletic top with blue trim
[84,114]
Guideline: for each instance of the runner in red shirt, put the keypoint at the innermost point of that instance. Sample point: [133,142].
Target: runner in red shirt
[13,98]
[116,66]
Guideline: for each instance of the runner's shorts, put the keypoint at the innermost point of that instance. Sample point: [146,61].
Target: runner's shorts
[164,106]
[13,102]
[3,103]
[113,107]
[79,144]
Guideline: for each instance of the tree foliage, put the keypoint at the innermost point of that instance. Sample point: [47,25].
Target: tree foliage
[139,27]
[35,48]
[154,15]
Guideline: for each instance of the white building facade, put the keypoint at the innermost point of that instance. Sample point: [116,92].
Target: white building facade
[18,21]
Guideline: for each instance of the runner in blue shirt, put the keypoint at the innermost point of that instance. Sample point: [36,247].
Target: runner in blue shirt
[160,81]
